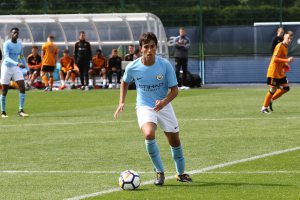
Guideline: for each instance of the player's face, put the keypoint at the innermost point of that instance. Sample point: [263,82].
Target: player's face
[82,36]
[288,39]
[114,53]
[182,32]
[14,34]
[149,50]
[131,49]
[280,32]
[34,51]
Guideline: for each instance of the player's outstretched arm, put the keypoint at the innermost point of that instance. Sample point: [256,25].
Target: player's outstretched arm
[123,92]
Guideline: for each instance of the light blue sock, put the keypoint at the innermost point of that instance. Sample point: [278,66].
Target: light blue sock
[21,100]
[3,103]
[179,159]
[153,152]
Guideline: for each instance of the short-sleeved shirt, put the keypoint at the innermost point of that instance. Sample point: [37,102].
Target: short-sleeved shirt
[275,69]
[67,63]
[115,62]
[99,62]
[50,52]
[34,60]
[152,82]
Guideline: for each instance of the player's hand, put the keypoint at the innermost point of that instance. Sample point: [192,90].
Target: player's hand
[21,65]
[159,104]
[119,109]
[290,59]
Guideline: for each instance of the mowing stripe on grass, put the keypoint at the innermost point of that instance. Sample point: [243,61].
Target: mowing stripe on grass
[193,172]
[67,172]
[131,121]
[141,172]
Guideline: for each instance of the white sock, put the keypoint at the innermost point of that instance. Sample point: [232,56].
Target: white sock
[104,81]
[90,82]
[62,82]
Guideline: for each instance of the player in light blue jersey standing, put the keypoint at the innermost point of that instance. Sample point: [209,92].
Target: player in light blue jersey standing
[11,69]
[156,84]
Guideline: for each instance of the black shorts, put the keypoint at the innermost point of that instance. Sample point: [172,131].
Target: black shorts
[48,68]
[37,71]
[65,73]
[276,81]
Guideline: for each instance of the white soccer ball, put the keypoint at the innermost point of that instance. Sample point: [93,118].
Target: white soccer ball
[129,180]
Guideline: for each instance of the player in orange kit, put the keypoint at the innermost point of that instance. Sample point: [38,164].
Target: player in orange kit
[49,57]
[276,77]
[67,70]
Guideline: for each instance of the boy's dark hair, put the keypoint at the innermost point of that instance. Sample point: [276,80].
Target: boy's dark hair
[81,32]
[14,28]
[51,37]
[35,47]
[147,37]
[66,51]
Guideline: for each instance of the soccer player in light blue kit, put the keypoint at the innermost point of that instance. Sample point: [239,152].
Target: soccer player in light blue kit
[154,76]
[11,69]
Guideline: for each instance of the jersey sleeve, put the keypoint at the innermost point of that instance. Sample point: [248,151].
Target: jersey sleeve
[171,75]
[6,55]
[127,77]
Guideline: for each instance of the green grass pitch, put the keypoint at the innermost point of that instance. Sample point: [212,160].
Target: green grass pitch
[71,146]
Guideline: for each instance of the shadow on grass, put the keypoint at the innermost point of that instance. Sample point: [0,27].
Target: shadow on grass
[234,184]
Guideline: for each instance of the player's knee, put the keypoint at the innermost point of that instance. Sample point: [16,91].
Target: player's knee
[272,90]
[286,88]
[22,89]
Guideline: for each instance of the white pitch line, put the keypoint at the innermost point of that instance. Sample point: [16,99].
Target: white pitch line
[254,172]
[198,171]
[68,123]
[131,121]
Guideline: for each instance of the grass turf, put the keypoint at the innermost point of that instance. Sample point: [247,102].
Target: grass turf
[75,131]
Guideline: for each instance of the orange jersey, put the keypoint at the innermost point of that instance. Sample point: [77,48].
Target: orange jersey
[99,62]
[276,69]
[50,52]
[66,63]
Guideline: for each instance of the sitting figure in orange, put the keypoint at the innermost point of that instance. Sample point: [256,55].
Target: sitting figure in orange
[67,70]
[34,62]
[99,64]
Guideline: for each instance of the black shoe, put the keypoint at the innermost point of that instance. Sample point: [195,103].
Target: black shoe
[160,179]
[3,114]
[271,106]
[21,113]
[183,178]
[265,111]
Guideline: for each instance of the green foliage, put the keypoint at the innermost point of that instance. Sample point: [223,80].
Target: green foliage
[172,13]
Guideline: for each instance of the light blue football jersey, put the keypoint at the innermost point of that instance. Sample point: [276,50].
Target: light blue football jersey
[152,82]
[13,54]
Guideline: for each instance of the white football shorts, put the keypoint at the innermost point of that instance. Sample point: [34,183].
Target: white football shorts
[166,117]
[8,73]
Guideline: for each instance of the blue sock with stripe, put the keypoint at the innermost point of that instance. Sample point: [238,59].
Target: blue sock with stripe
[21,100]
[177,155]
[3,103]
[153,152]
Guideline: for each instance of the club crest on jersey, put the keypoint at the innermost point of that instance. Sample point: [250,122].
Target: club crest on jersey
[159,77]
